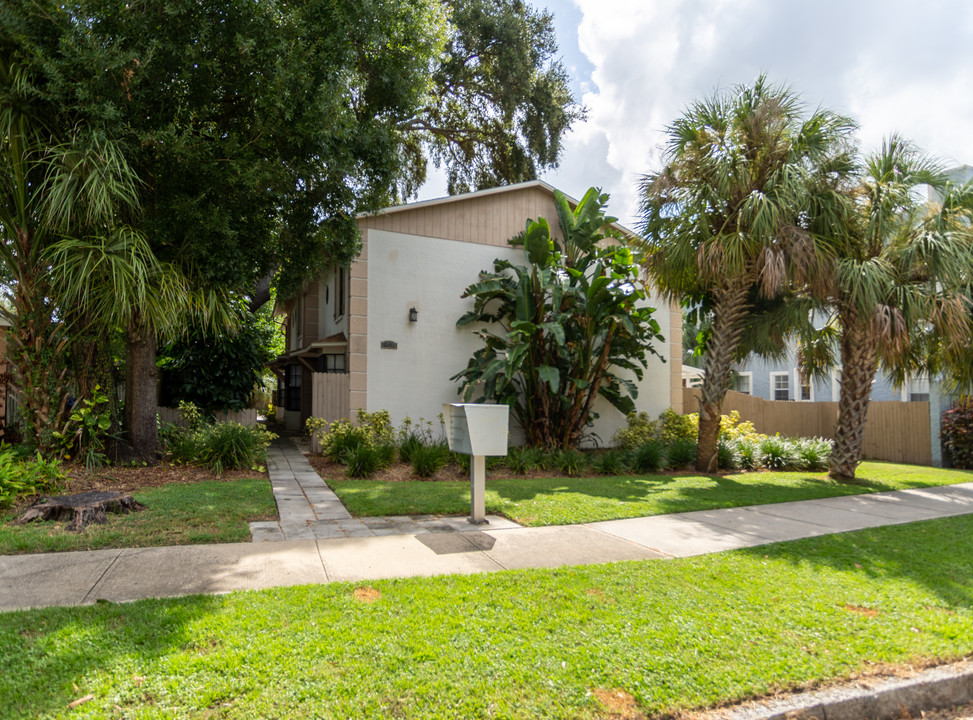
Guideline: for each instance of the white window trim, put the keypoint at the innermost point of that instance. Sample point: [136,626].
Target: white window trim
[797,387]
[749,376]
[836,384]
[773,384]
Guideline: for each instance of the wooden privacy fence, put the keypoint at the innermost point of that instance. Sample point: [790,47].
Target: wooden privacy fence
[330,400]
[895,431]
[244,417]
[330,396]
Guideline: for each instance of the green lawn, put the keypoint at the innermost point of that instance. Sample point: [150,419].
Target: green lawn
[523,644]
[559,501]
[177,514]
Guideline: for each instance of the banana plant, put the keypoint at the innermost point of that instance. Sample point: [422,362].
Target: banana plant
[569,326]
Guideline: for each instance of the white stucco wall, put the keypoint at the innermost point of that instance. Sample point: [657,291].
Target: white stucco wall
[430,274]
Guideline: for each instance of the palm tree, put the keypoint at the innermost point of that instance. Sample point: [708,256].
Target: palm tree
[899,275]
[115,282]
[57,178]
[732,217]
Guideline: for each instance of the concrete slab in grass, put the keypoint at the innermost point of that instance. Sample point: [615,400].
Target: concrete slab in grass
[561,545]
[65,578]
[395,556]
[675,536]
[190,569]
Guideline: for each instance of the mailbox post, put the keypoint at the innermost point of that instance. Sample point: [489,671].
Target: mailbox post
[477,430]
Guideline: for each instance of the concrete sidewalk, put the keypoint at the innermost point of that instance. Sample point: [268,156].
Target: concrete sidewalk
[77,578]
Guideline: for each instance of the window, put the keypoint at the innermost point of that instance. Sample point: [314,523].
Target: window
[805,388]
[743,383]
[916,390]
[339,293]
[780,385]
[292,397]
[333,363]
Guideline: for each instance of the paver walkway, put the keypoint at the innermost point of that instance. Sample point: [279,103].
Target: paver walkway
[308,548]
[309,510]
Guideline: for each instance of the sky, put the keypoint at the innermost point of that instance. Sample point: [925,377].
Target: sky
[892,65]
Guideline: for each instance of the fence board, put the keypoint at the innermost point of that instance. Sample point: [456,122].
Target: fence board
[331,400]
[895,431]
[248,416]
[331,396]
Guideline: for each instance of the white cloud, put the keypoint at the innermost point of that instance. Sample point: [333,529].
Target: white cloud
[893,65]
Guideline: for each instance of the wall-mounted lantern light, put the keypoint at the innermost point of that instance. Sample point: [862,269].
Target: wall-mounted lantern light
[413,315]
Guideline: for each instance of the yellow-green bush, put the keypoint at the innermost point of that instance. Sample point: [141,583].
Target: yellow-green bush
[373,430]
[672,426]
[639,431]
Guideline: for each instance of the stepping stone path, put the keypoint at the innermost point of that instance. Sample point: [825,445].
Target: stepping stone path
[308,509]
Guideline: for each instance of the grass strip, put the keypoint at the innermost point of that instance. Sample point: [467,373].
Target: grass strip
[176,514]
[569,643]
[569,500]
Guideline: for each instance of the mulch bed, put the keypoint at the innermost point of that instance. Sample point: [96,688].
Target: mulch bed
[129,479]
[401,472]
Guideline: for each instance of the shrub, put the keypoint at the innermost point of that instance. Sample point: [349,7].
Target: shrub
[386,454]
[182,445]
[640,430]
[812,453]
[777,453]
[672,426]
[523,459]
[956,434]
[362,461]
[733,428]
[427,459]
[749,454]
[613,462]
[232,446]
[649,457]
[342,438]
[409,446]
[462,460]
[681,452]
[727,456]
[570,462]
[21,477]
[373,429]
[219,446]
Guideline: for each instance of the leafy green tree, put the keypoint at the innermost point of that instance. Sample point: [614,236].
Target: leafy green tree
[218,371]
[261,129]
[566,328]
[899,277]
[499,101]
[738,214]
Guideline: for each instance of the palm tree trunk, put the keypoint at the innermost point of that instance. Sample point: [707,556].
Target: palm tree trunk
[140,389]
[859,357]
[729,312]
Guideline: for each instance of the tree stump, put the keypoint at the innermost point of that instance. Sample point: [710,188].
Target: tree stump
[83,508]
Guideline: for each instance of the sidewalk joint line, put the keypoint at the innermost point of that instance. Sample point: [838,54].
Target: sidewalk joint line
[101,577]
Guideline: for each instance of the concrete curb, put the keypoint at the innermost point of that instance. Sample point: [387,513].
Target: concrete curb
[868,698]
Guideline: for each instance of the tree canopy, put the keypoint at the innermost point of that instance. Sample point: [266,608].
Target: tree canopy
[259,129]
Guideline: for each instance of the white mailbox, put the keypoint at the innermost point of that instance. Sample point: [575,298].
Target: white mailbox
[477,430]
